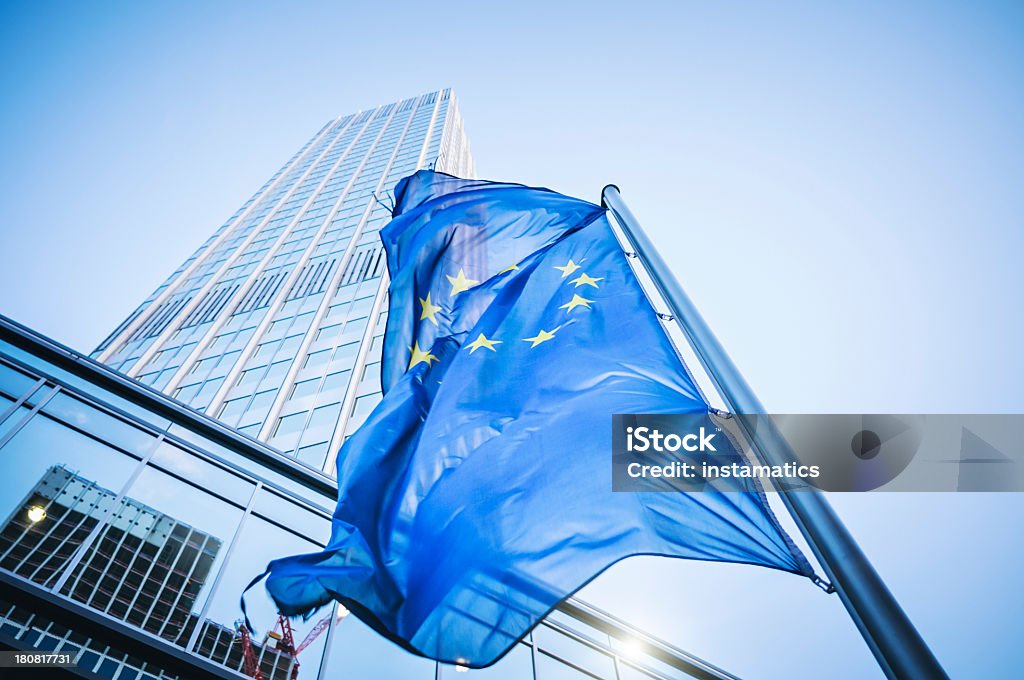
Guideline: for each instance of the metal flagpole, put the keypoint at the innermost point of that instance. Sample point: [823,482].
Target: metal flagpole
[898,647]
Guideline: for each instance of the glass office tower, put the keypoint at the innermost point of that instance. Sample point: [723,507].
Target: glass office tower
[146,486]
[274,325]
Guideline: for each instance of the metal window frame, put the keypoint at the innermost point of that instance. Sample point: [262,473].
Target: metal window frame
[13,408]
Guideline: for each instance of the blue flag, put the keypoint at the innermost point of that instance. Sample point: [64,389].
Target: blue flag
[478,493]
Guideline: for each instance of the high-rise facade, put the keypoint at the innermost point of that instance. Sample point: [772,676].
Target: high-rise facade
[274,325]
[146,486]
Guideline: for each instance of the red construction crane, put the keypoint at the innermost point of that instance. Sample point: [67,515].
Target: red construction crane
[284,637]
[313,633]
[249,663]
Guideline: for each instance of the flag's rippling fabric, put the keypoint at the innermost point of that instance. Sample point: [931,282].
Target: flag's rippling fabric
[478,494]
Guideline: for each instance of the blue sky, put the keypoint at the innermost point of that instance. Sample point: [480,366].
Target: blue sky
[836,187]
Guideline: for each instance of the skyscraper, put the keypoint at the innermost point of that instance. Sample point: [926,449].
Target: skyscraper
[133,523]
[274,325]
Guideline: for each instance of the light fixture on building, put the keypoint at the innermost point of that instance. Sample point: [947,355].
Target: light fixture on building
[36,514]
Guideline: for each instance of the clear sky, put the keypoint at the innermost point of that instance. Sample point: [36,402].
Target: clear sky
[839,190]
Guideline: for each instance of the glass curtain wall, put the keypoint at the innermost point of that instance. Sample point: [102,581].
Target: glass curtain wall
[132,512]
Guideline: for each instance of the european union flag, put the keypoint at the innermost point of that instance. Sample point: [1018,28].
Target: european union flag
[478,494]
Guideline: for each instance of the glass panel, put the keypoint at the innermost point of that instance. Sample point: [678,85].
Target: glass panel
[13,382]
[338,311]
[12,420]
[277,371]
[58,485]
[318,358]
[185,394]
[359,652]
[574,651]
[517,665]
[5,404]
[305,388]
[293,516]
[362,307]
[336,381]
[205,395]
[203,473]
[628,672]
[107,668]
[347,352]
[257,410]
[103,425]
[579,627]
[232,409]
[363,407]
[552,669]
[264,349]
[313,455]
[323,419]
[638,654]
[84,385]
[250,376]
[329,332]
[259,542]
[290,424]
[236,458]
[228,359]
[290,345]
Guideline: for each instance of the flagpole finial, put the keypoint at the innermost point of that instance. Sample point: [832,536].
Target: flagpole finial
[604,204]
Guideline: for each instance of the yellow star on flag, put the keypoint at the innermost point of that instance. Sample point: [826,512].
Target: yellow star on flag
[542,336]
[430,310]
[568,268]
[584,280]
[460,283]
[483,341]
[511,268]
[576,301]
[419,356]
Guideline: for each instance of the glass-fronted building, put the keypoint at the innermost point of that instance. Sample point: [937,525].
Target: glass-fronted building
[274,325]
[146,485]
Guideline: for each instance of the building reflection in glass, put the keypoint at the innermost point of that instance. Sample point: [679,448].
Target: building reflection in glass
[145,567]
